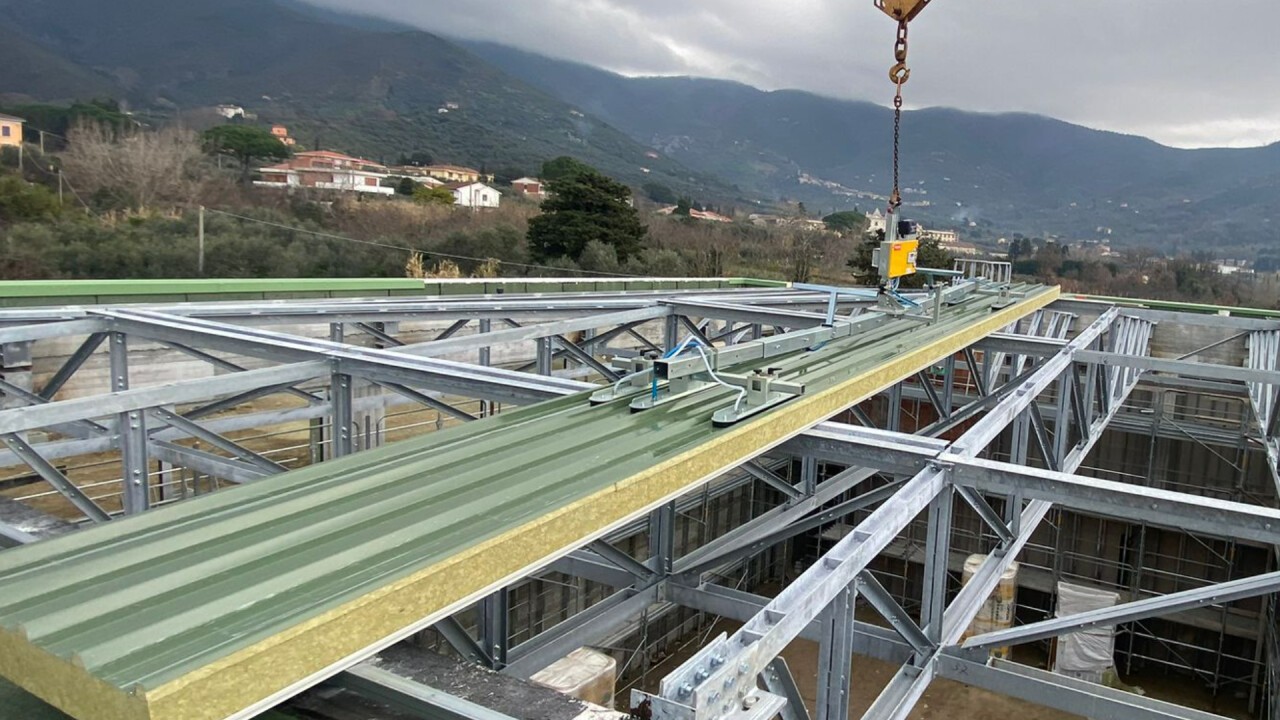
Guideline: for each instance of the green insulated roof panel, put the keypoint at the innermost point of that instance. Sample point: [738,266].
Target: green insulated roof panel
[221,606]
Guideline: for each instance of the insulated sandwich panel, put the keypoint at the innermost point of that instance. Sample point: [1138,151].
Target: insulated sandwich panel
[223,605]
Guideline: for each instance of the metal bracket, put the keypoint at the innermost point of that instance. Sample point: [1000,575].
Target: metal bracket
[763,391]
[637,378]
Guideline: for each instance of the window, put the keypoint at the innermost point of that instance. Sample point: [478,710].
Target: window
[6,131]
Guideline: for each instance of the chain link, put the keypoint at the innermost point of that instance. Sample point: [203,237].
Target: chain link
[899,74]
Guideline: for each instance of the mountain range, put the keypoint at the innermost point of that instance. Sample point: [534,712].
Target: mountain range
[375,88]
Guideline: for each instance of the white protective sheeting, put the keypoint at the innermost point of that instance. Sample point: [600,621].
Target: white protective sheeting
[1086,654]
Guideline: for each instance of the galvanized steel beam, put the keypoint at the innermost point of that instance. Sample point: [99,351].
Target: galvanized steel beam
[1075,697]
[80,428]
[177,393]
[405,695]
[424,399]
[206,463]
[73,363]
[55,478]
[1215,594]
[11,536]
[599,620]
[1193,513]
[49,330]
[195,430]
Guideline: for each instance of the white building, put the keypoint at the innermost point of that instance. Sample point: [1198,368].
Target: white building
[475,195]
[876,222]
[944,237]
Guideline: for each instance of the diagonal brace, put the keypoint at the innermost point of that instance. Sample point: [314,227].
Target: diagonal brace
[622,560]
[77,428]
[54,477]
[888,607]
[771,479]
[424,399]
[74,363]
[1219,594]
[199,432]
[986,512]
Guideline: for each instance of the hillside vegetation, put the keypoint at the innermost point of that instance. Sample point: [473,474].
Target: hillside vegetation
[364,91]
[1021,172]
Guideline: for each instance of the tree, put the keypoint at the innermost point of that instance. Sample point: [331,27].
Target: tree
[434,195]
[133,168]
[563,168]
[508,174]
[246,144]
[684,207]
[846,222]
[599,257]
[417,158]
[660,193]
[21,201]
[585,206]
[406,186]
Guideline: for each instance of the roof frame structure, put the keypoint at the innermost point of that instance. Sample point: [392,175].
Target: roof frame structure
[1097,370]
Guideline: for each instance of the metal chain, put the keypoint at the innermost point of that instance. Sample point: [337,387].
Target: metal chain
[895,199]
[898,74]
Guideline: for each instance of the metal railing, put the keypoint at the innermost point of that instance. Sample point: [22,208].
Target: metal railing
[996,272]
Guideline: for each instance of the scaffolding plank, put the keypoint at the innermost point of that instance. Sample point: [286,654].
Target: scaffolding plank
[224,605]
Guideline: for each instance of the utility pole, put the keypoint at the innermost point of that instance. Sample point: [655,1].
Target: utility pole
[21,145]
[41,142]
[59,187]
[200,242]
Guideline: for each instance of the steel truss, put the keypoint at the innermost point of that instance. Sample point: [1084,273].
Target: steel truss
[1057,395]
[146,426]
[1086,383]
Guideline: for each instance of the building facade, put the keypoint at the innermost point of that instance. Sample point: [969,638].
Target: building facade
[475,195]
[325,170]
[416,174]
[281,133]
[944,237]
[529,187]
[453,173]
[877,223]
[10,131]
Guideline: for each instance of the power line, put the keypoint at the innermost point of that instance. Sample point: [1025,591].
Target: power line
[62,178]
[408,249]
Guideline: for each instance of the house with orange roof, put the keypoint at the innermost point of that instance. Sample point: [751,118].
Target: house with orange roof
[327,170]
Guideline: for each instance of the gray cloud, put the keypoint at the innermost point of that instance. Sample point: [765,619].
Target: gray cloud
[1189,73]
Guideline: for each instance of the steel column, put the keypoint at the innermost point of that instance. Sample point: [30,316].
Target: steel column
[340,395]
[835,655]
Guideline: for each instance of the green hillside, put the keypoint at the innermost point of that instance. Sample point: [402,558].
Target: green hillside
[368,91]
[1023,172]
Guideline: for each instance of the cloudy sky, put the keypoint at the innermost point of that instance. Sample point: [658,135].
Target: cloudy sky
[1188,73]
